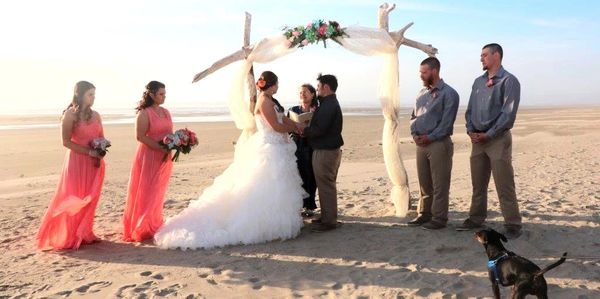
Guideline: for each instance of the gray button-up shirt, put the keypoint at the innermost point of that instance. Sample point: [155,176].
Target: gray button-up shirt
[493,109]
[435,112]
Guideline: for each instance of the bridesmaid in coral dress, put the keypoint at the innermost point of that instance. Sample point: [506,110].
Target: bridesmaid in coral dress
[150,172]
[69,220]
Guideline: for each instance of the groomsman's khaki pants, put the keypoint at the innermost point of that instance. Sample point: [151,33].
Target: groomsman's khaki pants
[495,157]
[434,168]
[325,166]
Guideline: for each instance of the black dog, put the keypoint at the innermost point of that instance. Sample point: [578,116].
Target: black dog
[507,268]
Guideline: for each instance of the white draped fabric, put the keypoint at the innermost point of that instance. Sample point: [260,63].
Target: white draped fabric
[360,40]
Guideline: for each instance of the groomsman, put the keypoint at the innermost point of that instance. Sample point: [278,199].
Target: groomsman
[432,123]
[325,137]
[490,115]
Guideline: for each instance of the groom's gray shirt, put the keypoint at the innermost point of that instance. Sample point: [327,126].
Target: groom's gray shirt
[325,130]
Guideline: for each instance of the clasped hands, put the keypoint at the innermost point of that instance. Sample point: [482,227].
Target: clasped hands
[421,140]
[478,137]
[299,127]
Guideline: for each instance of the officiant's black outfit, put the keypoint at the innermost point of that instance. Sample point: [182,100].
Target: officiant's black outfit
[325,137]
[304,154]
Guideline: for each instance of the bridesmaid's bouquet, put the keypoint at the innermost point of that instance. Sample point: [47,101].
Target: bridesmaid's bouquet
[181,141]
[100,145]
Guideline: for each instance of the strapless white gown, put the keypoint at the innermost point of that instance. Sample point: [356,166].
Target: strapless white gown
[258,198]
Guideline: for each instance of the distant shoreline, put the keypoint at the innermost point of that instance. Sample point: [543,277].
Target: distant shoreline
[201,115]
[39,121]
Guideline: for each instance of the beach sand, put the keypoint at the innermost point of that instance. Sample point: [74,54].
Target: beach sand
[556,153]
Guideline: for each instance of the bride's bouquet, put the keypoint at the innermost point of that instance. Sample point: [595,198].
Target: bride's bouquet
[100,145]
[181,141]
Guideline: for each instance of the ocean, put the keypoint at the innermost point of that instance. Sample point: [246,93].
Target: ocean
[51,118]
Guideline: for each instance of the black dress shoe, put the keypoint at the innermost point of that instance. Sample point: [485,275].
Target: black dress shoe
[418,221]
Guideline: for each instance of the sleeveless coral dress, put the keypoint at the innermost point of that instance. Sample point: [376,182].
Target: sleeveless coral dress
[69,220]
[148,183]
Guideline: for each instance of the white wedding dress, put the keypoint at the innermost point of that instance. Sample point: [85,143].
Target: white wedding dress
[258,198]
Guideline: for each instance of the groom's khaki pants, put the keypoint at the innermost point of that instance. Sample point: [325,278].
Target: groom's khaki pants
[325,166]
[494,157]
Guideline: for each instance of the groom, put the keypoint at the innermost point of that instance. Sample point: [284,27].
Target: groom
[325,136]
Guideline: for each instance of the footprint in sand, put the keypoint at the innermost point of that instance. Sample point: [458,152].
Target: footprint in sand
[93,287]
[119,293]
[168,291]
[158,277]
[26,256]
[146,273]
[64,293]
[144,287]
[212,281]
[256,283]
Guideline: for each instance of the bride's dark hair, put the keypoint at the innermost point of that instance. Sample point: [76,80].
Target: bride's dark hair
[151,88]
[266,80]
[77,102]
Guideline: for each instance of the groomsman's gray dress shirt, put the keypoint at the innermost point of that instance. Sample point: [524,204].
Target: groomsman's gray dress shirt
[493,109]
[435,112]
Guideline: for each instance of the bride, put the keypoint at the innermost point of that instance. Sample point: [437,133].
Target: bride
[258,198]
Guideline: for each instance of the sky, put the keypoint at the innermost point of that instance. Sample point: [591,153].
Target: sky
[119,46]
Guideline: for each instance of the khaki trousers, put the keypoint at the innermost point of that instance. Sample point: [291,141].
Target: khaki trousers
[325,166]
[434,168]
[495,157]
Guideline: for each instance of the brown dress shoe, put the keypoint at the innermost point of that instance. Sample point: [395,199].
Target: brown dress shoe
[323,227]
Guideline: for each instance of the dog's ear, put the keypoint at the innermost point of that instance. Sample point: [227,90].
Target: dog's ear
[503,237]
[499,235]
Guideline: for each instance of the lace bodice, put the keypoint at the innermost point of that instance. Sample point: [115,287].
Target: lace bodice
[268,133]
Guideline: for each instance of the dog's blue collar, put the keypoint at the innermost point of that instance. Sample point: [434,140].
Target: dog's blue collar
[492,266]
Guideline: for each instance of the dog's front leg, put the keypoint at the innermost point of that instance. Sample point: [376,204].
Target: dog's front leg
[496,289]
[495,286]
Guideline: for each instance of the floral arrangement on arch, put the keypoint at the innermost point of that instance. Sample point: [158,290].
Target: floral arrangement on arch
[315,31]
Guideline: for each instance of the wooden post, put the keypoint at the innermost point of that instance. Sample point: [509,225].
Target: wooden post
[250,82]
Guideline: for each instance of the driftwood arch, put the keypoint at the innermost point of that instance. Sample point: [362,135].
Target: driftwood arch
[389,95]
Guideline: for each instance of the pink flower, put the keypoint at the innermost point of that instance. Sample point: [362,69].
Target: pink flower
[295,33]
[489,82]
[305,42]
[309,25]
[322,30]
[288,43]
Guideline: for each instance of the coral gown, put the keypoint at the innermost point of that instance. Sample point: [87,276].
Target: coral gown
[69,220]
[148,182]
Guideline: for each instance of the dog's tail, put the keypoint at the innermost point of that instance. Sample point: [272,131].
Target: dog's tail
[552,266]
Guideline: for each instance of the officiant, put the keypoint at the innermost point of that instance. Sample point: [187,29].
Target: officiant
[304,152]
